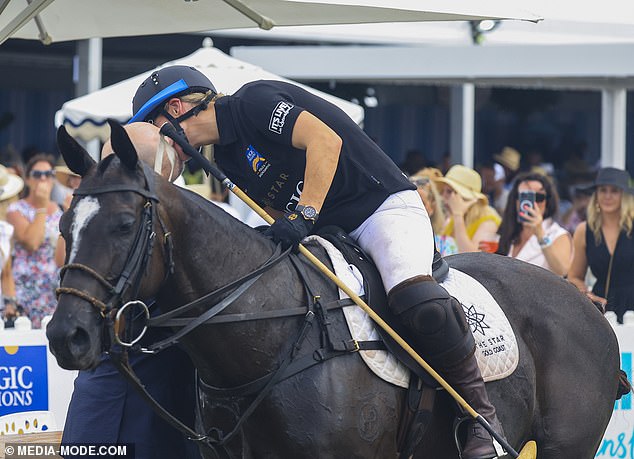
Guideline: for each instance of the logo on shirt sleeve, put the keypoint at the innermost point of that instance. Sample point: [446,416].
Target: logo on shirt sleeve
[258,163]
[278,117]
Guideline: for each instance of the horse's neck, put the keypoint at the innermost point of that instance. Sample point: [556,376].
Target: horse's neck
[212,249]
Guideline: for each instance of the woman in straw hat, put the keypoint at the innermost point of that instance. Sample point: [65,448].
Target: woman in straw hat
[471,219]
[66,181]
[605,243]
[10,187]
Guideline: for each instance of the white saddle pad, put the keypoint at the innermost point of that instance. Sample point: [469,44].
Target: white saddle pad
[496,347]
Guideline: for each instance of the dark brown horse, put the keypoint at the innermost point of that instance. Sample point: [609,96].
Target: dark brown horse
[561,394]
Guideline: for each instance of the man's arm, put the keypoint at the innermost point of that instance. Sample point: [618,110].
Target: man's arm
[323,147]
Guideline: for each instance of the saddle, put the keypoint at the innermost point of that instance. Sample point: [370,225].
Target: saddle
[420,397]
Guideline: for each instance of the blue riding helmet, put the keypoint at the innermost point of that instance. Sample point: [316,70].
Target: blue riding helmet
[160,86]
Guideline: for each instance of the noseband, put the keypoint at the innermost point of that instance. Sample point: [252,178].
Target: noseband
[135,265]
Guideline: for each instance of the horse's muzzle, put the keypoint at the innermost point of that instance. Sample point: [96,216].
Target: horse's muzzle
[72,345]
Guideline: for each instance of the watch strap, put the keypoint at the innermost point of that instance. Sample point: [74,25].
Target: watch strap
[308,212]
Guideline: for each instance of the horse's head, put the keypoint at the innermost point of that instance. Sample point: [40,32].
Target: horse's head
[109,234]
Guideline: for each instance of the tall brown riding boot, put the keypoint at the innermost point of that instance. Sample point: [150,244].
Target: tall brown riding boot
[439,330]
[466,379]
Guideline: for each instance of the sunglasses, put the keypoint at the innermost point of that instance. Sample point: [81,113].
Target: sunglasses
[540,197]
[42,174]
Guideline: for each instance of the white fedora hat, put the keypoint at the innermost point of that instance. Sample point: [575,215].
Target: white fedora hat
[10,184]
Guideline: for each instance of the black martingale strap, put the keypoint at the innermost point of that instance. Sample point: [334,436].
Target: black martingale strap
[258,315]
[202,301]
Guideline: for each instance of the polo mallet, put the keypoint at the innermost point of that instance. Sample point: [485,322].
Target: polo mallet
[529,451]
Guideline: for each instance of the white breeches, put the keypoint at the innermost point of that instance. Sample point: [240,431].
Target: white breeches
[399,238]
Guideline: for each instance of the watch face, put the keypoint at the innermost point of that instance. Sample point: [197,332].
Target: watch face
[309,212]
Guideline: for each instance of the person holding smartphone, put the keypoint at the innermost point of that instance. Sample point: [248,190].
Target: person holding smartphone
[528,231]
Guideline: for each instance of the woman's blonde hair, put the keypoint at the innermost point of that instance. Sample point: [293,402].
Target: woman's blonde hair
[595,219]
[423,179]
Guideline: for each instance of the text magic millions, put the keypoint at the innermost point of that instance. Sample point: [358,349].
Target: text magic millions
[23,379]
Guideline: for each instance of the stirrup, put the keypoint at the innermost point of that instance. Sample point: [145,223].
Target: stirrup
[457,422]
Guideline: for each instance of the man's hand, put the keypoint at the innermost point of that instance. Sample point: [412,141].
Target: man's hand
[289,230]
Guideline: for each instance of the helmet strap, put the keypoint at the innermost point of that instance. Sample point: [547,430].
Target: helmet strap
[203,105]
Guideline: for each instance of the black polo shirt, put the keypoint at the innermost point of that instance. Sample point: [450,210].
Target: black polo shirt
[256,152]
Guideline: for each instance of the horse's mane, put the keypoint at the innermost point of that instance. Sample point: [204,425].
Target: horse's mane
[222,220]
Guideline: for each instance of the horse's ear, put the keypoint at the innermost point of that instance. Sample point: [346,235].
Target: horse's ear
[76,157]
[122,145]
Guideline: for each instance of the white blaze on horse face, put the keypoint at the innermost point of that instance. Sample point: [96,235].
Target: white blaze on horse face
[84,211]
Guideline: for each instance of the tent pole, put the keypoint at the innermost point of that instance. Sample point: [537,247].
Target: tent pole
[21,19]
[262,21]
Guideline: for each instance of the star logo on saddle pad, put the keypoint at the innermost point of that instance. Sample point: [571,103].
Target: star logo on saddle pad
[475,319]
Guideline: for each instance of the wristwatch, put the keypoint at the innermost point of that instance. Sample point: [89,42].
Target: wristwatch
[308,212]
[545,242]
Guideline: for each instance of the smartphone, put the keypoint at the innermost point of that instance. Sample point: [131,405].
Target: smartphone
[527,201]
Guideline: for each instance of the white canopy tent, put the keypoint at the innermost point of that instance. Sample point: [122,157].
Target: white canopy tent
[85,117]
[580,45]
[565,22]
[59,20]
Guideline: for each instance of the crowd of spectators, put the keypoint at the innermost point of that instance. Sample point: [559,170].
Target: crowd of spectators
[516,210]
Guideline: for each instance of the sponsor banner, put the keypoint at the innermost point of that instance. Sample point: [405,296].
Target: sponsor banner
[32,382]
[618,441]
[23,379]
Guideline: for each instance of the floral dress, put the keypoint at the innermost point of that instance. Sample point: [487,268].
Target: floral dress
[35,273]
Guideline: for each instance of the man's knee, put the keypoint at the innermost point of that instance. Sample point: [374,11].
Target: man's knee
[435,317]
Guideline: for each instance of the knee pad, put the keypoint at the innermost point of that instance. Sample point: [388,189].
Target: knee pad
[436,319]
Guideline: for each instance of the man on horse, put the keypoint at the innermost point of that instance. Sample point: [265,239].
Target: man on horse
[311,166]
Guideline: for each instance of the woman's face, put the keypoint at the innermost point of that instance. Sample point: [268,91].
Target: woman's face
[540,194]
[446,192]
[41,171]
[609,198]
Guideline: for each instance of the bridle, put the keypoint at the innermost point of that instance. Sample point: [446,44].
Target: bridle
[128,283]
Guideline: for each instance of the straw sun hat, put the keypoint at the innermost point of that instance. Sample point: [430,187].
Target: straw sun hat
[63,174]
[10,184]
[509,157]
[464,181]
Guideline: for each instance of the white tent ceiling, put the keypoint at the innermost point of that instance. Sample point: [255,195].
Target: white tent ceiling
[564,22]
[59,20]
[85,117]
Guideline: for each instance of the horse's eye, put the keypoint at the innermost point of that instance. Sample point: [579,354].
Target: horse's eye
[125,227]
